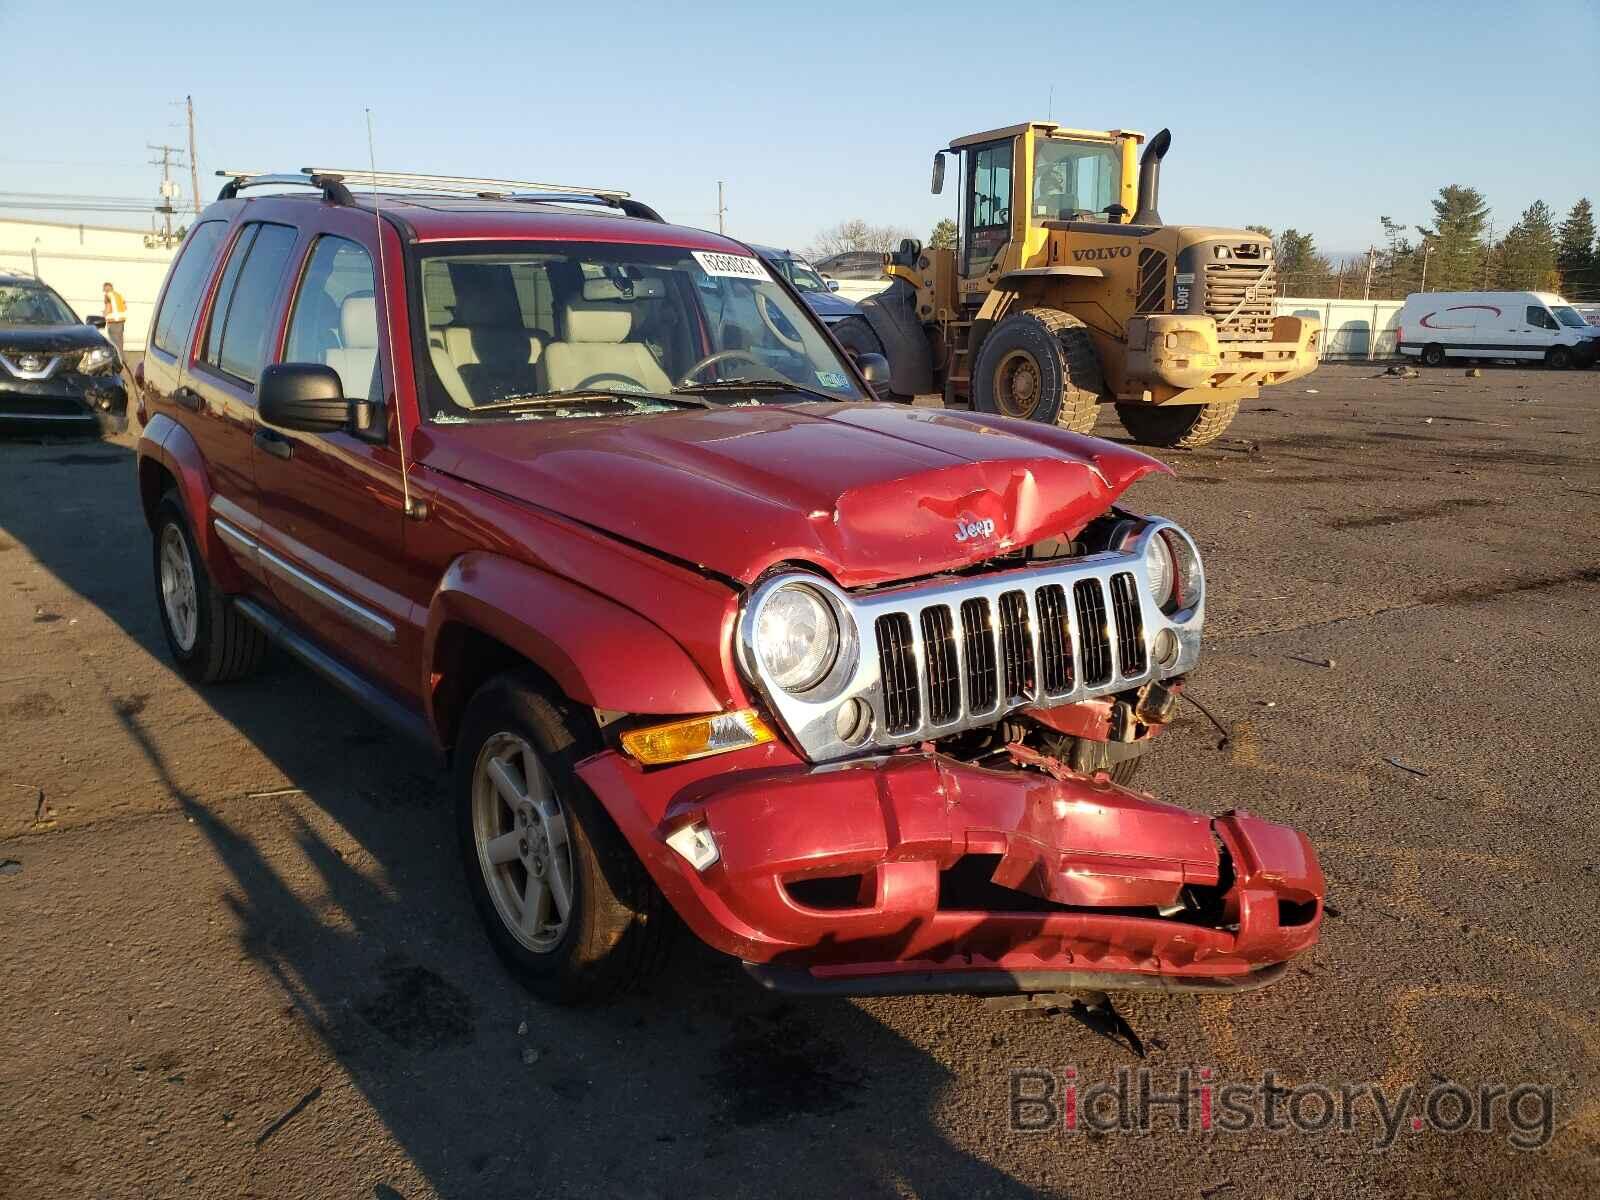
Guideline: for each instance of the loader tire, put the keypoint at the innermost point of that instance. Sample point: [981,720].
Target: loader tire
[1040,365]
[1177,426]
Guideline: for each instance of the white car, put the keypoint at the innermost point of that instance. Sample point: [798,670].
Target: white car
[855,274]
[1529,326]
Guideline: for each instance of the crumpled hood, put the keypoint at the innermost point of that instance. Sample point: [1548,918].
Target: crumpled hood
[871,493]
[48,339]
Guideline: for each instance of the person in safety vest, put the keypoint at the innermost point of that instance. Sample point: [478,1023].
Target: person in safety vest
[116,314]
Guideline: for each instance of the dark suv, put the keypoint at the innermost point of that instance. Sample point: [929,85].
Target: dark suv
[57,374]
[592,505]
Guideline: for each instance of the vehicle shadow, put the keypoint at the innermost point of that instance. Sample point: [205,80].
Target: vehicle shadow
[701,1085]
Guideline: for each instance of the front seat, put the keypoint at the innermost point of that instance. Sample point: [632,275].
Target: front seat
[597,354]
[356,360]
[495,358]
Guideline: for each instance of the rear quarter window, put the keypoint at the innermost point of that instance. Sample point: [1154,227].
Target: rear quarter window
[189,274]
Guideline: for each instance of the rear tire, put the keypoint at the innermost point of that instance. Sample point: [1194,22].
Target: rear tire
[1040,365]
[616,928]
[1559,358]
[1433,355]
[210,642]
[1177,426]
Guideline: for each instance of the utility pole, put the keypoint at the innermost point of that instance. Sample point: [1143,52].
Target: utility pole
[194,160]
[169,190]
[1426,251]
[721,208]
[1372,261]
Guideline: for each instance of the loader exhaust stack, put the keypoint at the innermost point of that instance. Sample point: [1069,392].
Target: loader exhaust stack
[1150,178]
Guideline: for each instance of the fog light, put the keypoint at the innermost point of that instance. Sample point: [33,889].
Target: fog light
[1166,649]
[853,722]
[696,843]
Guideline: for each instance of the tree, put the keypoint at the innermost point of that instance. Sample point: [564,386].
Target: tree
[1526,256]
[1576,255]
[1460,218]
[943,236]
[856,234]
[1302,269]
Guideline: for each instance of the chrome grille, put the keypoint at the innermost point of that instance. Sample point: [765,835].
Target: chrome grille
[1093,636]
[1016,645]
[1239,299]
[978,644]
[902,701]
[936,657]
[1129,623]
[1055,639]
[944,679]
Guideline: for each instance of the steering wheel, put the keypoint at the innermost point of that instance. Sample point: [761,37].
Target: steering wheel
[722,356]
[609,379]
[766,310]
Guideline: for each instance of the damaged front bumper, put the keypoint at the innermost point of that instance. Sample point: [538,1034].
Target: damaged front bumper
[1169,354]
[918,873]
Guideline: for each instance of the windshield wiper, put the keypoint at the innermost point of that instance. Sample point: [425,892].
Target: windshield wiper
[758,385]
[589,395]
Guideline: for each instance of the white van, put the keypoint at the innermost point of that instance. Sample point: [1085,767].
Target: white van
[1435,326]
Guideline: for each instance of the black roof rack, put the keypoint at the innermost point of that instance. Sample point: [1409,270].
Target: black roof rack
[331,181]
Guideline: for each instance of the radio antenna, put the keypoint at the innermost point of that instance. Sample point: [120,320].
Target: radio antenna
[410,509]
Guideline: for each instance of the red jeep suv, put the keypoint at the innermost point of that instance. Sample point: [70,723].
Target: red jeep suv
[593,505]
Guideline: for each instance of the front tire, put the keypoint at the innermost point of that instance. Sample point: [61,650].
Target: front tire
[1559,358]
[1040,365]
[563,898]
[210,642]
[1177,426]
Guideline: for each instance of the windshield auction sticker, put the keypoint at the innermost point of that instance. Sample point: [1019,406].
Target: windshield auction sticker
[731,266]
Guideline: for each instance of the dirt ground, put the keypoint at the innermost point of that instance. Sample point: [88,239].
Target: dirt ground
[236,958]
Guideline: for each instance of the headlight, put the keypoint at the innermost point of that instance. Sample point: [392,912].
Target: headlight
[1172,568]
[1188,579]
[97,358]
[1158,569]
[796,637]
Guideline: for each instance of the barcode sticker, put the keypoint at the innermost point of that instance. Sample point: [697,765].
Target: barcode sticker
[732,266]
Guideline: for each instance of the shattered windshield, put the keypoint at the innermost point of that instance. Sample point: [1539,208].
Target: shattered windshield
[540,330]
[28,305]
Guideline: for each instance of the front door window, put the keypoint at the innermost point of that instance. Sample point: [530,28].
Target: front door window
[988,204]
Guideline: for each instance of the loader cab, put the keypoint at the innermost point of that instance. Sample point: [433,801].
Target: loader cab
[1016,179]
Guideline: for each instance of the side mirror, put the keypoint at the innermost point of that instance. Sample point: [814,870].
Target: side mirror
[874,369]
[938,173]
[833,285]
[303,396]
[96,320]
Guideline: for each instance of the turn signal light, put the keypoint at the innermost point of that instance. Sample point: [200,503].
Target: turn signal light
[697,737]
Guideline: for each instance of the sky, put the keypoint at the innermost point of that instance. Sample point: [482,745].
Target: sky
[1319,117]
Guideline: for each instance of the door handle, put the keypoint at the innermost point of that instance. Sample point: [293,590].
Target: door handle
[272,443]
[188,398]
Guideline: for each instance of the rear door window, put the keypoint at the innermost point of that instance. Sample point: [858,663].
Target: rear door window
[189,275]
[247,300]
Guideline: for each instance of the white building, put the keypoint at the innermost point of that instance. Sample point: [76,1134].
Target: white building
[77,260]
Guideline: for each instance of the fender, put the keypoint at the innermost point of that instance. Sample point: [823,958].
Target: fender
[599,653]
[166,442]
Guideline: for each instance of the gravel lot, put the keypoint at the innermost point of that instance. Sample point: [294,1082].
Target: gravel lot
[236,958]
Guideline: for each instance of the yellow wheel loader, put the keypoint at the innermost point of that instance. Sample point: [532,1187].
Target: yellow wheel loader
[1068,291]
